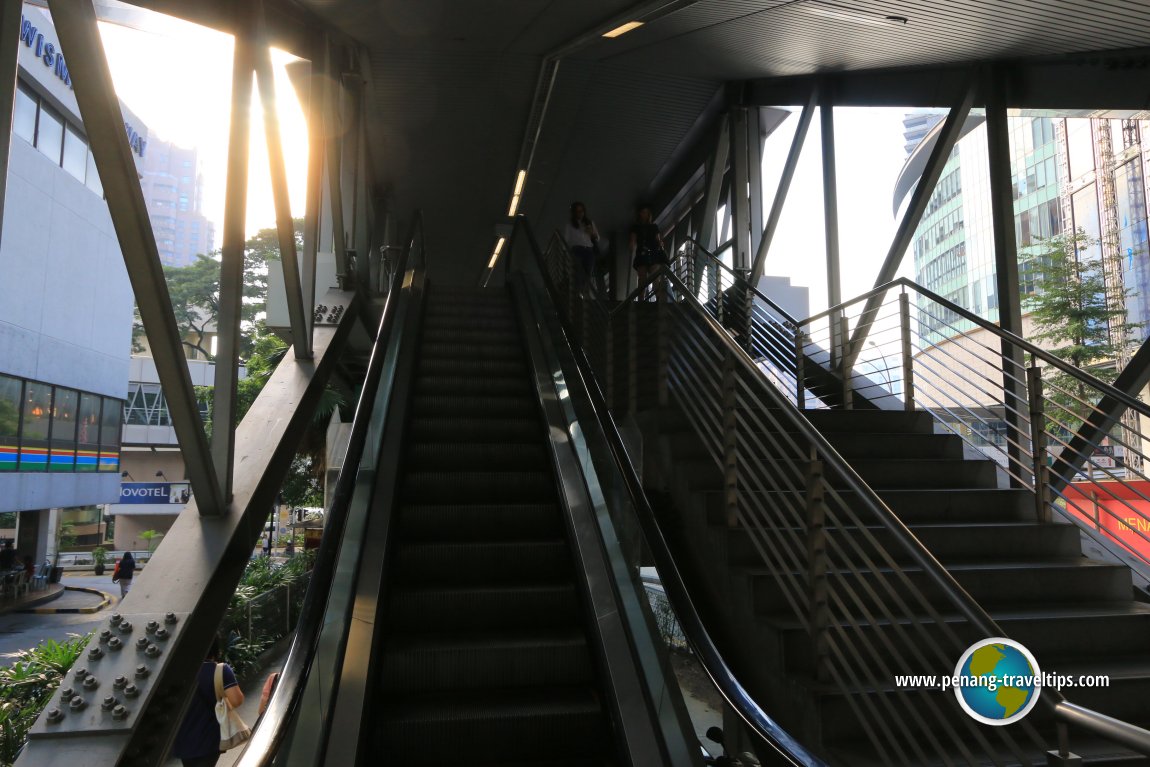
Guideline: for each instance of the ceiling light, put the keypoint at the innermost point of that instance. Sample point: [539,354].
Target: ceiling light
[842,13]
[499,245]
[519,182]
[514,206]
[495,255]
[623,29]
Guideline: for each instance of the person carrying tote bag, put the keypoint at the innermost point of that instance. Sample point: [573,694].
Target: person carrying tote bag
[233,731]
[199,741]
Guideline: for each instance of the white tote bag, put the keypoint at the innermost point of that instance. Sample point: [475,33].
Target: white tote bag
[233,731]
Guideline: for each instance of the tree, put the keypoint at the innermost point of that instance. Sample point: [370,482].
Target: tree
[1080,317]
[195,292]
[150,537]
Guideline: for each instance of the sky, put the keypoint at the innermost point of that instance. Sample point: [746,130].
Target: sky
[183,95]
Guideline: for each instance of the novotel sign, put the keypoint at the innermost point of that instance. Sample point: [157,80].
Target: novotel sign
[52,58]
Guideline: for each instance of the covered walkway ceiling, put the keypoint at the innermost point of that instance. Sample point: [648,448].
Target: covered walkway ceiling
[456,87]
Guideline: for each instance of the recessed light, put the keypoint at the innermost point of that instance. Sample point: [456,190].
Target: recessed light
[843,13]
[623,29]
[514,206]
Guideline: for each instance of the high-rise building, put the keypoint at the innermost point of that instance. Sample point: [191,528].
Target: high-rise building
[916,125]
[65,311]
[173,191]
[1069,173]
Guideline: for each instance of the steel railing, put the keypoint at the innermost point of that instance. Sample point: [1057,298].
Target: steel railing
[838,560]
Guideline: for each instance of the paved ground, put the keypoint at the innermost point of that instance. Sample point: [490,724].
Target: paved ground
[20,631]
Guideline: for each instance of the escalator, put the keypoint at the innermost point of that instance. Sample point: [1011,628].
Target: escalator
[486,650]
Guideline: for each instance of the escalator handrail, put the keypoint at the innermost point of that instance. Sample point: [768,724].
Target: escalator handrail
[284,704]
[772,734]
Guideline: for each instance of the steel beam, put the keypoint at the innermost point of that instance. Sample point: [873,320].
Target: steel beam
[305,77]
[75,22]
[789,167]
[740,207]
[1006,268]
[831,217]
[332,123]
[755,140]
[231,298]
[716,171]
[195,570]
[1131,380]
[9,63]
[285,227]
[904,236]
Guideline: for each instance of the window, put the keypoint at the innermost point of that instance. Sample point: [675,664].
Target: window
[92,177]
[24,115]
[53,428]
[35,427]
[75,153]
[64,411]
[183,202]
[50,134]
[88,433]
[11,395]
[110,435]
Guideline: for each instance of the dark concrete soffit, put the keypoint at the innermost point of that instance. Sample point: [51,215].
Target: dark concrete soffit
[1098,80]
[690,155]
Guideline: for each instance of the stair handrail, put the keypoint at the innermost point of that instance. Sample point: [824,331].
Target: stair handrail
[1017,340]
[272,730]
[1066,713]
[671,577]
[738,278]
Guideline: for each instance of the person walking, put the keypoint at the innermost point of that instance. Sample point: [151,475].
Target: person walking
[646,244]
[582,240]
[125,571]
[198,740]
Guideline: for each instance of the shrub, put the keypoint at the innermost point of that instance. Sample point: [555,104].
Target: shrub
[27,685]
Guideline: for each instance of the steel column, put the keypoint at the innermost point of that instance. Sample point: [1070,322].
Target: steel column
[1006,268]
[9,63]
[907,227]
[831,217]
[285,227]
[740,206]
[755,176]
[333,167]
[305,77]
[789,167]
[231,298]
[716,171]
[75,22]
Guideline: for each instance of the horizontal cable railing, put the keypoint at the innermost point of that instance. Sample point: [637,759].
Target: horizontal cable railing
[726,341]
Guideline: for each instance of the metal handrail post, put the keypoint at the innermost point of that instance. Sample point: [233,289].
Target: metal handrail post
[907,359]
[820,611]
[746,309]
[632,363]
[800,373]
[663,363]
[1041,468]
[845,362]
[730,439]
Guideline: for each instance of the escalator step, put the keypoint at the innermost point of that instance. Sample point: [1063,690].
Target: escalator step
[486,607]
[498,727]
[457,350]
[482,322]
[478,487]
[488,562]
[466,405]
[473,456]
[451,383]
[475,429]
[477,522]
[472,368]
[459,660]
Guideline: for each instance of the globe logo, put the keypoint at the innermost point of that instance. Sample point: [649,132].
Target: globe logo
[997,681]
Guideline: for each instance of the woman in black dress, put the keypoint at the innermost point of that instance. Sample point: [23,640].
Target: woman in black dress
[646,244]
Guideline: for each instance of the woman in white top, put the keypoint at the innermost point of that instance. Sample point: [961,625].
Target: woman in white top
[582,240]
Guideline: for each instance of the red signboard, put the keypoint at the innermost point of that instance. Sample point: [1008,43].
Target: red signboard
[1121,510]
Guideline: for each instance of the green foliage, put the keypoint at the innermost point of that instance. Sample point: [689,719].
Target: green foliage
[26,687]
[303,485]
[65,536]
[99,556]
[1079,317]
[9,416]
[8,519]
[150,537]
